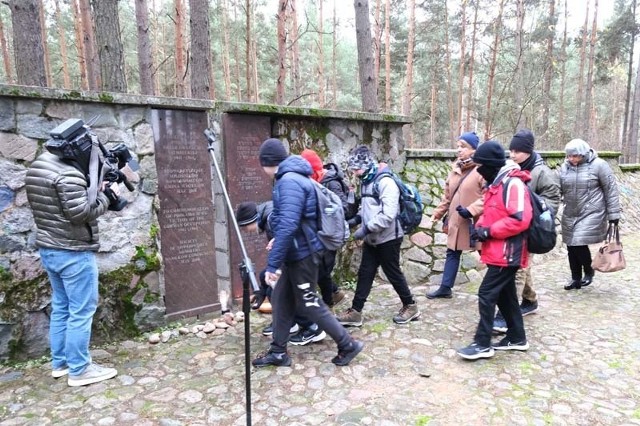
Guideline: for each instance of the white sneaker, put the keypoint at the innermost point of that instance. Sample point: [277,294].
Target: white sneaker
[56,373]
[94,373]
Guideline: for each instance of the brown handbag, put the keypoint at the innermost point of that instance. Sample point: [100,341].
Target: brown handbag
[609,257]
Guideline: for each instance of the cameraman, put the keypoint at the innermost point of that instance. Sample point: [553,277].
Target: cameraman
[67,237]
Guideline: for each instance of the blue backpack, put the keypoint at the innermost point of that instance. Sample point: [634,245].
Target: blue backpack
[411,205]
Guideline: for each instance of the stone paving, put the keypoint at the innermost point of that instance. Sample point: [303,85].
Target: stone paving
[583,368]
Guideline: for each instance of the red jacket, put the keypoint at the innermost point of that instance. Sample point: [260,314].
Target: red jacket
[507,214]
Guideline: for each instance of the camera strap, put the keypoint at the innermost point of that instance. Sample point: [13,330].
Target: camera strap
[94,180]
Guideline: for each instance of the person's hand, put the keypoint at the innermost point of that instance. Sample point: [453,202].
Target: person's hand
[614,221]
[354,221]
[113,186]
[464,212]
[481,233]
[270,244]
[360,233]
[272,278]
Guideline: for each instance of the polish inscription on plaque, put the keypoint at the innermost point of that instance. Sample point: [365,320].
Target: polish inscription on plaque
[186,213]
[246,181]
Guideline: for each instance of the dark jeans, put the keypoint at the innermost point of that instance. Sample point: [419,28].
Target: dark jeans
[325,282]
[499,287]
[451,266]
[579,260]
[386,255]
[267,291]
[294,293]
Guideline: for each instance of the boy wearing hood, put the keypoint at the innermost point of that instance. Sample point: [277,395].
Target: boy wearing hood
[292,265]
[506,216]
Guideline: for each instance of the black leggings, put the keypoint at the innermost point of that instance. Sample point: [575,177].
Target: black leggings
[579,260]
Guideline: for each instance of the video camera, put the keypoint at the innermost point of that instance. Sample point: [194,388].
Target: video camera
[72,142]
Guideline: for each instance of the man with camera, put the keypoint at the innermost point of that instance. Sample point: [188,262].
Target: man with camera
[67,195]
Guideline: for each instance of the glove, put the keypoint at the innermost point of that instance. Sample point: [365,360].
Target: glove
[614,221]
[355,221]
[481,233]
[360,233]
[463,212]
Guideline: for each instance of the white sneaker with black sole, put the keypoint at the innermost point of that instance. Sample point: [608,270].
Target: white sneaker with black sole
[507,345]
[306,336]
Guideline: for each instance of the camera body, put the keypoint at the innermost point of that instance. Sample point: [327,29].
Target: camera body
[72,140]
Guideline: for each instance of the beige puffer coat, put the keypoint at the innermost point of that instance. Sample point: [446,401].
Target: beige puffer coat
[57,193]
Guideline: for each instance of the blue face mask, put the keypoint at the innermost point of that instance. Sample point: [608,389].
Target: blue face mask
[371,173]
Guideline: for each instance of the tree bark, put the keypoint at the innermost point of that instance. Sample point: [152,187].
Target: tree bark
[64,58]
[109,46]
[334,59]
[248,52]
[627,100]
[472,61]
[27,41]
[635,120]
[45,45]
[387,56]
[295,50]
[365,59]
[181,68]
[200,52]
[518,107]
[226,69]
[89,42]
[408,92]
[452,126]
[548,74]
[236,54]
[376,45]
[145,58]
[82,58]
[589,114]
[282,51]
[321,78]
[497,28]
[578,126]
[563,77]
[6,57]
[463,46]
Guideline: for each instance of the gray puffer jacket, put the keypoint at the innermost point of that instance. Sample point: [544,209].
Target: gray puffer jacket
[590,198]
[57,193]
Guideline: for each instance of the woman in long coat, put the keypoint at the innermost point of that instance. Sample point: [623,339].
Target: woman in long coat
[462,197]
[590,198]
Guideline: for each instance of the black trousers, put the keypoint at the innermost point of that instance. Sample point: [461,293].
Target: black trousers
[386,255]
[499,287]
[325,282]
[579,260]
[294,293]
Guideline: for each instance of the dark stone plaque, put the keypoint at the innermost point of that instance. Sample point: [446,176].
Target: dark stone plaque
[246,181]
[186,212]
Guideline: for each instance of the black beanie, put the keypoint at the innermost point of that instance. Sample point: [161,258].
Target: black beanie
[272,152]
[246,213]
[522,141]
[490,153]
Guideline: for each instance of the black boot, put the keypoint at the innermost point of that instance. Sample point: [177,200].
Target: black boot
[441,292]
[574,284]
[588,279]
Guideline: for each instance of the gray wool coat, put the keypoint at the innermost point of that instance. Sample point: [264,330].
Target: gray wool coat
[590,198]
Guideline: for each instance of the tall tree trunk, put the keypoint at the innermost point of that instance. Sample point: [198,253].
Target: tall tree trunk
[256,85]
[472,61]
[236,54]
[226,70]
[463,46]
[321,78]
[334,59]
[82,58]
[548,75]
[89,42]
[432,116]
[518,107]
[248,52]
[635,120]
[365,60]
[563,77]
[377,41]
[282,51]
[497,29]
[109,46]
[589,113]
[627,100]
[200,66]
[6,57]
[64,58]
[181,67]
[579,126]
[145,59]
[387,56]
[295,51]
[452,126]
[27,42]
[45,45]
[408,91]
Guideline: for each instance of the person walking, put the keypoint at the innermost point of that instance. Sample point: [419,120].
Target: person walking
[462,202]
[591,199]
[292,265]
[546,184]
[65,211]
[382,234]
[501,229]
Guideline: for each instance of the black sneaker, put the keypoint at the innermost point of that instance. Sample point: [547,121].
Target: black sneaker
[345,356]
[507,345]
[309,335]
[475,351]
[528,308]
[279,359]
[574,284]
[588,279]
[499,323]
[441,292]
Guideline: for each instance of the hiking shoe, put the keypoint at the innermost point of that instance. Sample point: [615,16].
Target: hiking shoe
[507,345]
[309,335]
[56,373]
[337,297]
[279,359]
[574,284]
[350,318]
[94,373]
[588,279]
[528,308]
[475,351]
[499,323]
[345,356]
[441,292]
[407,313]
[268,330]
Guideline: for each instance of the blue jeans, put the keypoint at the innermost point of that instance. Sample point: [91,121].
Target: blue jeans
[451,266]
[74,281]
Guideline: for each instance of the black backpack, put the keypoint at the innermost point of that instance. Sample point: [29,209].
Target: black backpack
[351,205]
[411,206]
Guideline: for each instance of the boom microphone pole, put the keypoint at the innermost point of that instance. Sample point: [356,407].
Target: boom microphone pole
[247,272]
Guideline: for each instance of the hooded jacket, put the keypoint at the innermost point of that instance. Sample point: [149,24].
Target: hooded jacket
[57,194]
[507,214]
[545,183]
[380,214]
[294,217]
[590,198]
[264,218]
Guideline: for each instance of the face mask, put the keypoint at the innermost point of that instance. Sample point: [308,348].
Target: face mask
[489,173]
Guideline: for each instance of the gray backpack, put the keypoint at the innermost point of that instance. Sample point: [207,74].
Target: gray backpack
[333,230]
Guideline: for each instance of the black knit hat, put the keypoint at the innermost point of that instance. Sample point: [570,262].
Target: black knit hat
[361,158]
[246,213]
[522,141]
[272,152]
[490,153]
